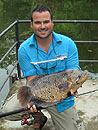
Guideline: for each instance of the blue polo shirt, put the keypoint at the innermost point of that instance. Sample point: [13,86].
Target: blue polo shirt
[61,45]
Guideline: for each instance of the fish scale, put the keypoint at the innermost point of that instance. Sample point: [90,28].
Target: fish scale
[50,94]
[50,91]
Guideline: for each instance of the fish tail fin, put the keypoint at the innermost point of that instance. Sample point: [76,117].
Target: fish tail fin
[24,95]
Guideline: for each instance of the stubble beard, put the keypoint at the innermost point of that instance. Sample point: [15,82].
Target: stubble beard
[43,37]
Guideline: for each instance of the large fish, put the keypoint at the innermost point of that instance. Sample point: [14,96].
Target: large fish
[48,90]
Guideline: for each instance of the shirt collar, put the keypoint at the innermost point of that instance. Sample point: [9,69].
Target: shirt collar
[56,38]
[32,40]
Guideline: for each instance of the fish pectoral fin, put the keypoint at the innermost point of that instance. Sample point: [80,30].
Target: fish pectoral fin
[64,86]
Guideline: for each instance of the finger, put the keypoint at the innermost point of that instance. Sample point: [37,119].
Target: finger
[28,105]
[76,94]
[72,92]
[31,109]
[34,108]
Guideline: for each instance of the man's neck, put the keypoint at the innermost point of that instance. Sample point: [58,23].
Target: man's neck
[44,43]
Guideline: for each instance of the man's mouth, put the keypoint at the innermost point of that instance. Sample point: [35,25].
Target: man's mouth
[43,31]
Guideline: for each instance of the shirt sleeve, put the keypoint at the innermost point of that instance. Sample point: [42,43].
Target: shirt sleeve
[24,62]
[73,59]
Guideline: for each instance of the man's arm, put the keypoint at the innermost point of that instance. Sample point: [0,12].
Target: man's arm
[30,78]
[31,107]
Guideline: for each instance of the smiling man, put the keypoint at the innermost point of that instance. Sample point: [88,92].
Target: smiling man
[42,25]
[43,45]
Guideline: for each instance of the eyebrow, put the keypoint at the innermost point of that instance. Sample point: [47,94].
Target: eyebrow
[45,21]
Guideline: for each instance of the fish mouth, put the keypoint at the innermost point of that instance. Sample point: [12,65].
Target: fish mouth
[82,79]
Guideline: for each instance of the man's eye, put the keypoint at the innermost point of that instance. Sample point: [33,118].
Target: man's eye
[46,22]
[37,23]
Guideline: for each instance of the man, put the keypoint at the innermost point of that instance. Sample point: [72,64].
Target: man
[44,45]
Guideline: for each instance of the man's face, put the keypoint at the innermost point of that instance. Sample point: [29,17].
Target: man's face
[42,24]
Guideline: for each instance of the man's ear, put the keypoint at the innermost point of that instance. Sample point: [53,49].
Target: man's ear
[52,22]
[31,24]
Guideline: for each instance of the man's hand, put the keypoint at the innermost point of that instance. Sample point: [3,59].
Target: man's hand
[39,118]
[74,93]
[32,108]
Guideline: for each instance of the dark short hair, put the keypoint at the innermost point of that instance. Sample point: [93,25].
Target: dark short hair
[41,8]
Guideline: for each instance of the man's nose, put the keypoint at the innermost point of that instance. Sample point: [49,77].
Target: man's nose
[42,25]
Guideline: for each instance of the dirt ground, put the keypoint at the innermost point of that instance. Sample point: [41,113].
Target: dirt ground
[86,105]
